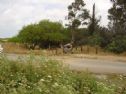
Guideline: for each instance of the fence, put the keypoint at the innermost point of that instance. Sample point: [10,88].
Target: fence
[21,49]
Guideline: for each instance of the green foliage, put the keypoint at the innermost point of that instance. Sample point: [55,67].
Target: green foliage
[117,17]
[106,37]
[95,40]
[30,34]
[93,22]
[117,12]
[46,77]
[43,33]
[81,37]
[77,15]
[118,45]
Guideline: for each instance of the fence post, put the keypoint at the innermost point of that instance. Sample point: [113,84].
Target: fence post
[56,51]
[81,49]
[96,50]
[88,49]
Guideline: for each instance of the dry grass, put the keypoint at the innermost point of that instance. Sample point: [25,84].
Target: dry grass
[79,51]
[14,48]
[17,48]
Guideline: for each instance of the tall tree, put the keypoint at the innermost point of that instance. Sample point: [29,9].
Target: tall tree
[93,25]
[77,15]
[117,16]
[117,25]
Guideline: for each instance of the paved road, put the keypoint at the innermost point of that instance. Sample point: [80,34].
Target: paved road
[92,65]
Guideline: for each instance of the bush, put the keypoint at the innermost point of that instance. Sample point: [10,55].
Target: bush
[46,77]
[118,45]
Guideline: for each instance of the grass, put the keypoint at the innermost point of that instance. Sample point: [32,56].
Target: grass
[21,49]
[51,77]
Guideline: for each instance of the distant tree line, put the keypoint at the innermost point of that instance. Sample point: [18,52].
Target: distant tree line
[82,29]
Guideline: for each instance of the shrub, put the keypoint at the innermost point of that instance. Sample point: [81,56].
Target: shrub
[118,45]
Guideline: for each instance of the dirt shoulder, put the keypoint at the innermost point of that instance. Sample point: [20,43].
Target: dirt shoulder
[70,57]
[88,56]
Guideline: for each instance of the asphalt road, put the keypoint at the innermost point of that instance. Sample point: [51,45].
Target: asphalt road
[101,66]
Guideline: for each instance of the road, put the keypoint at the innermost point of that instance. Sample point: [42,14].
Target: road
[97,66]
[102,66]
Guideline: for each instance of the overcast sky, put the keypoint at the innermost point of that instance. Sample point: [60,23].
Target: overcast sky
[16,13]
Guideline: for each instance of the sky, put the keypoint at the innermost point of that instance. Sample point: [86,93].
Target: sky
[14,14]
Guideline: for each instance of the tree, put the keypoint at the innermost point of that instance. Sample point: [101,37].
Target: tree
[93,25]
[77,15]
[106,36]
[117,17]
[54,32]
[44,34]
[117,25]
[117,12]
[31,35]
[81,36]
[94,38]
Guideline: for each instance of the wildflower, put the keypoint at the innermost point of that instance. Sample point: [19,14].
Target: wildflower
[42,80]
[20,84]
[49,76]
[11,75]
[89,90]
[40,90]
[28,86]
[55,85]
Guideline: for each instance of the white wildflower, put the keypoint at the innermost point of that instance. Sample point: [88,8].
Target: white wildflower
[55,85]
[42,80]
[40,90]
[49,76]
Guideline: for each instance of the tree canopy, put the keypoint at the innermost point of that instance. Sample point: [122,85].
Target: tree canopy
[77,15]
[117,25]
[42,34]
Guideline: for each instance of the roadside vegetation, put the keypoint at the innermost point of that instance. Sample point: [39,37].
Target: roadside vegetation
[46,76]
